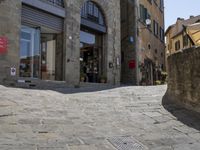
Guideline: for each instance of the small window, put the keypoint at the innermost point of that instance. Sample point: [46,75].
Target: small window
[162,5]
[150,1]
[155,28]
[156,51]
[177,45]
[149,46]
[185,40]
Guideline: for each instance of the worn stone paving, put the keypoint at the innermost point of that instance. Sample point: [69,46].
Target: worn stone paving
[85,119]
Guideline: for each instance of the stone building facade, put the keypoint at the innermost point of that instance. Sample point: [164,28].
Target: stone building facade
[177,37]
[57,46]
[143,47]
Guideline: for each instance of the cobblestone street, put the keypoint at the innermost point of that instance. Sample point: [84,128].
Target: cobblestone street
[94,119]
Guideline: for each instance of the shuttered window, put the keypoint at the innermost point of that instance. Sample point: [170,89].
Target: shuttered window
[38,18]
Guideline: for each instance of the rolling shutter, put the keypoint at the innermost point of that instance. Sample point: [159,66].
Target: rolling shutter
[40,18]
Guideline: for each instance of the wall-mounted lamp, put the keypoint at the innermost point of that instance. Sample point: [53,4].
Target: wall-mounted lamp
[147,23]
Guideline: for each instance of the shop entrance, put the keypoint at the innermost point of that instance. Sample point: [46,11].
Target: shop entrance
[91,52]
[40,54]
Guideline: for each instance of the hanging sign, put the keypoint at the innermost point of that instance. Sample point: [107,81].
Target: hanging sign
[3,45]
[132,64]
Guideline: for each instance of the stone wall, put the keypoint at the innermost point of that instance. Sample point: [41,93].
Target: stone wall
[10,21]
[184,78]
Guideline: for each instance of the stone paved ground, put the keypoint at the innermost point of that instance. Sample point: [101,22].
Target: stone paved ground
[84,119]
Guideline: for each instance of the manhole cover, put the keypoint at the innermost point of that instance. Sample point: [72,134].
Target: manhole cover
[126,143]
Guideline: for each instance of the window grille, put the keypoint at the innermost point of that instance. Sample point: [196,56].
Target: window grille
[92,12]
[59,3]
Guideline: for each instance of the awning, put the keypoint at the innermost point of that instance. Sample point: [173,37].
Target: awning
[194,32]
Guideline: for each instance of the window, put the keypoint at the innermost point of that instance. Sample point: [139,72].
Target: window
[161,34]
[92,12]
[156,51]
[185,40]
[59,3]
[149,17]
[150,1]
[162,5]
[155,1]
[177,45]
[155,28]
[144,14]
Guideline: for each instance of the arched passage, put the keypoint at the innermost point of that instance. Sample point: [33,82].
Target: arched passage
[92,51]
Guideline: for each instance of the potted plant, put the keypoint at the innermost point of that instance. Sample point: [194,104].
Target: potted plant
[82,77]
[103,79]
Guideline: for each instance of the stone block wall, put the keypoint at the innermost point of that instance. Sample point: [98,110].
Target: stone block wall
[10,21]
[184,78]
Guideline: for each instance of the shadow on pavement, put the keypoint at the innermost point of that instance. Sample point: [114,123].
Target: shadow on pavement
[186,116]
[70,90]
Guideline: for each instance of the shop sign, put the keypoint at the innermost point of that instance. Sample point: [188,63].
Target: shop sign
[3,45]
[132,64]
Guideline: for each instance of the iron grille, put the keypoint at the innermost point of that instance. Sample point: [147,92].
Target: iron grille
[59,3]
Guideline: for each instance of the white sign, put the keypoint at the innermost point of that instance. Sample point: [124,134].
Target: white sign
[13,71]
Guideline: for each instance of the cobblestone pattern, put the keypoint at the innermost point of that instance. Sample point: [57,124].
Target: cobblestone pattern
[85,118]
[184,78]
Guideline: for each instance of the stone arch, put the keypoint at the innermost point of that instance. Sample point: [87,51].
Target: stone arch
[100,5]
[111,10]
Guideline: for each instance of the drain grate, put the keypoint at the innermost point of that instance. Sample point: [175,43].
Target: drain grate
[126,143]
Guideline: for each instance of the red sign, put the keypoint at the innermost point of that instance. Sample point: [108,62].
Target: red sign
[3,45]
[132,64]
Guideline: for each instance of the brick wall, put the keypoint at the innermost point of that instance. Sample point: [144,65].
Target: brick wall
[184,78]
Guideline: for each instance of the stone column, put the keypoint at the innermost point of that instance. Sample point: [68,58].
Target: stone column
[113,44]
[59,57]
[10,23]
[72,43]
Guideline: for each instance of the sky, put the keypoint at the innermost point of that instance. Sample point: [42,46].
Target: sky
[180,8]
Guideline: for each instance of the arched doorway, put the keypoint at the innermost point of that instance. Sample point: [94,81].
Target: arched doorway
[92,55]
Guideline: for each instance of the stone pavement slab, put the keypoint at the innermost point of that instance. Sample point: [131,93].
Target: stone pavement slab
[86,118]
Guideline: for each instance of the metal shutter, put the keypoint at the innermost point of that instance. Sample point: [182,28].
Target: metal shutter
[40,18]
